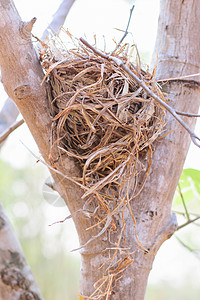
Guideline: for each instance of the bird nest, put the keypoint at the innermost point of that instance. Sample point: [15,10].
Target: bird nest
[105,118]
[102,117]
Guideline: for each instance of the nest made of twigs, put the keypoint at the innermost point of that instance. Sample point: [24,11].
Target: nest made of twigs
[103,118]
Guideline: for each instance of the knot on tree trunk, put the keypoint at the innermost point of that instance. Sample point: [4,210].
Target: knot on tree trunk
[22,92]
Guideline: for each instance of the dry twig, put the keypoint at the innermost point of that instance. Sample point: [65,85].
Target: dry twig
[178,78]
[187,114]
[126,31]
[188,222]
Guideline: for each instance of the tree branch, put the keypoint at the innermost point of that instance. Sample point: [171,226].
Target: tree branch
[187,114]
[58,18]
[188,222]
[6,133]
[22,82]
[178,78]
[126,31]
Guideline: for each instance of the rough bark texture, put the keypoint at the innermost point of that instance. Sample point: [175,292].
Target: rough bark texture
[16,280]
[177,45]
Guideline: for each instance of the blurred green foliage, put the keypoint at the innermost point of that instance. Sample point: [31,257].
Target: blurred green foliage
[185,204]
[189,184]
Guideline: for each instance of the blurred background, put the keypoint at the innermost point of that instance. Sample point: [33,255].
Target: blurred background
[176,270]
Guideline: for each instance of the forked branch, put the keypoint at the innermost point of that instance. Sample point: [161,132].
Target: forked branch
[126,31]
[173,112]
[188,222]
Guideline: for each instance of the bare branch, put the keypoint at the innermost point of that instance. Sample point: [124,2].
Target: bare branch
[187,114]
[126,31]
[58,18]
[6,133]
[188,222]
[193,136]
[8,113]
[178,78]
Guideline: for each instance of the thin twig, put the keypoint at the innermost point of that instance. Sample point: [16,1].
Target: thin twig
[193,136]
[187,114]
[188,222]
[183,201]
[8,131]
[126,31]
[178,78]
[66,218]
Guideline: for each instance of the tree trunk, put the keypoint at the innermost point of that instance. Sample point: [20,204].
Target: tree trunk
[16,279]
[177,46]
